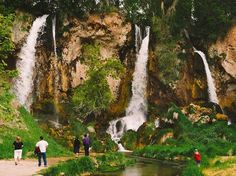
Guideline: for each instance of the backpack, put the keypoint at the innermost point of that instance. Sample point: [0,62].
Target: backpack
[37,151]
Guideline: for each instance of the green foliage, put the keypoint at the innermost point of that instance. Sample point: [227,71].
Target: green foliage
[105,163]
[191,170]
[167,61]
[97,145]
[110,145]
[72,167]
[6,45]
[129,140]
[77,128]
[212,18]
[112,162]
[94,94]
[30,135]
[7,113]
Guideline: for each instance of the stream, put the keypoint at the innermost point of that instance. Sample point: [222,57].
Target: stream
[148,167]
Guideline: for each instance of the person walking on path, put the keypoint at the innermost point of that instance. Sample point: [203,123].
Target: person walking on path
[86,143]
[18,146]
[76,146]
[42,144]
[197,157]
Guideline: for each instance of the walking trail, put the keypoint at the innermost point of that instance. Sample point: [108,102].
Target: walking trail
[26,167]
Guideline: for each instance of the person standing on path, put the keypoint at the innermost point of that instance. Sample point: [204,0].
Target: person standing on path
[76,146]
[197,157]
[18,146]
[42,144]
[86,143]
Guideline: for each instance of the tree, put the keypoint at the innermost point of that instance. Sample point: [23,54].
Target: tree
[94,94]
[6,45]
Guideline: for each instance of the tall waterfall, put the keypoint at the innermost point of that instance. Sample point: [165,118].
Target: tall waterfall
[23,83]
[54,35]
[210,82]
[136,111]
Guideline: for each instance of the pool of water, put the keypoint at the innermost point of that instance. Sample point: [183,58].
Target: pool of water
[145,167]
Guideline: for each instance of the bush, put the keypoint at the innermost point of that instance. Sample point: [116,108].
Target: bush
[192,170]
[72,167]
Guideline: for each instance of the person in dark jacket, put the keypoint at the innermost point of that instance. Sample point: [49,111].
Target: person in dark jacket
[86,143]
[18,146]
[76,146]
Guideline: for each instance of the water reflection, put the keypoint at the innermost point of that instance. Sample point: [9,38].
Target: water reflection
[148,168]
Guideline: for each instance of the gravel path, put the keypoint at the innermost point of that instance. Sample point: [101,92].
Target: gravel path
[26,167]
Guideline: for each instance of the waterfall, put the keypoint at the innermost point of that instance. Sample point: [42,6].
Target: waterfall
[54,35]
[210,82]
[137,109]
[23,83]
[138,38]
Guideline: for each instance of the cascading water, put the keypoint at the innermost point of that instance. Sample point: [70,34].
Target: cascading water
[54,35]
[138,38]
[23,83]
[210,81]
[192,11]
[136,111]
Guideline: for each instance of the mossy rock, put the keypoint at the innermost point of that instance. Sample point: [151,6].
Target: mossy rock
[129,140]
[145,133]
[162,135]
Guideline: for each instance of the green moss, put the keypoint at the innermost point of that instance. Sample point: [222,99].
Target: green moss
[129,140]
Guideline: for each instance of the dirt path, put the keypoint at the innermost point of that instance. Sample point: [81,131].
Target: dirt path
[26,167]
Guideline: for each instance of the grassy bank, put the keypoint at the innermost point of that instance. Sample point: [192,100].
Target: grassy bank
[109,162]
[212,140]
[30,135]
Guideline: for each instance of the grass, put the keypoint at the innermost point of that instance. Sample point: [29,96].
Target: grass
[72,167]
[29,137]
[109,162]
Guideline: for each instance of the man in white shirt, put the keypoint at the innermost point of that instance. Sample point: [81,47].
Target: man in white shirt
[42,144]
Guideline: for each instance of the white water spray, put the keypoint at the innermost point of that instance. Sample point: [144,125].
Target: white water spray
[54,35]
[193,11]
[23,83]
[210,81]
[136,111]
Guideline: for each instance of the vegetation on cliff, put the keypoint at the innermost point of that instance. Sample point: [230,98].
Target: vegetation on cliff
[94,94]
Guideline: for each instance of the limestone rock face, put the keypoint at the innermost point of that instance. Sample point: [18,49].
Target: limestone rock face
[56,76]
[225,49]
[21,26]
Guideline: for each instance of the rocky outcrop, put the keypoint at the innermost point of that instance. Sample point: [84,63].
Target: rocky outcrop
[21,25]
[225,51]
[109,31]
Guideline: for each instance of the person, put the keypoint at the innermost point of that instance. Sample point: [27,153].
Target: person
[18,146]
[42,144]
[197,157]
[86,144]
[76,146]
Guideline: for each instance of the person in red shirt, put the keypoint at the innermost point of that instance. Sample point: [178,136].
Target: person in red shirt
[197,157]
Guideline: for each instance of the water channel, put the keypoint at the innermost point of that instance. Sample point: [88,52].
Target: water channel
[147,167]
